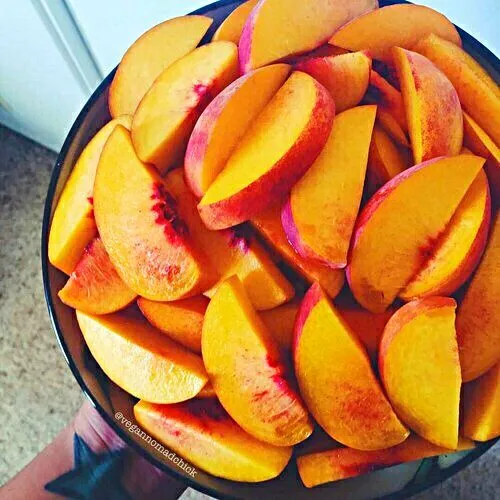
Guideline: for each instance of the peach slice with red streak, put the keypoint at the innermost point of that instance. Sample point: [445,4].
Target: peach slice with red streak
[246,369]
[394,25]
[344,76]
[420,368]
[399,227]
[271,157]
[433,110]
[94,286]
[233,251]
[320,213]
[269,226]
[205,435]
[181,320]
[140,359]
[168,112]
[342,463]
[274,30]
[147,241]
[149,55]
[459,249]
[224,122]
[337,381]
[73,224]
[478,319]
[231,28]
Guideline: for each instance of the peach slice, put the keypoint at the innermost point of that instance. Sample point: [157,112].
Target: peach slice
[391,243]
[481,405]
[385,160]
[181,320]
[203,433]
[420,368]
[271,157]
[478,93]
[94,286]
[337,381]
[247,372]
[231,28]
[73,225]
[395,25]
[224,122]
[147,241]
[149,55]
[478,319]
[321,211]
[269,226]
[140,359]
[345,76]
[433,110]
[342,463]
[279,321]
[168,112]
[233,251]
[274,30]
[459,249]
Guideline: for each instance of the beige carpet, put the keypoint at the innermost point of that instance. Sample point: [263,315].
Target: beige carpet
[37,392]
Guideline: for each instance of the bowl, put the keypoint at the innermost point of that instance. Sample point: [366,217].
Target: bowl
[116,406]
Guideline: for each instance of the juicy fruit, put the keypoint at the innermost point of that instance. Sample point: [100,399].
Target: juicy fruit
[143,361]
[277,150]
[400,225]
[245,368]
[279,321]
[274,30]
[321,211]
[147,242]
[231,28]
[94,286]
[337,381]
[168,112]
[149,55]
[203,433]
[420,368]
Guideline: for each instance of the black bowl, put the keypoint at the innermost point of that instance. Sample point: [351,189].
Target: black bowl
[396,482]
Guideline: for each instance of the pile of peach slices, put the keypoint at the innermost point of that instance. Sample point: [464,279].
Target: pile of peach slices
[208,227]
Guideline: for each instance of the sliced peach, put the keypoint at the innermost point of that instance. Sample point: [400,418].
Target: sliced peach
[459,249]
[140,359]
[345,76]
[73,225]
[479,94]
[465,150]
[94,286]
[337,381]
[481,406]
[271,157]
[168,112]
[279,321]
[247,372]
[400,225]
[394,25]
[478,319]
[224,122]
[231,28]
[203,433]
[233,251]
[181,320]
[433,109]
[342,463]
[147,241]
[270,227]
[392,127]
[385,160]
[154,51]
[274,30]
[320,213]
[420,368]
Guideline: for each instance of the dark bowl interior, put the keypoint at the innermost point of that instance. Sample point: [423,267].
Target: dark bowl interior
[396,482]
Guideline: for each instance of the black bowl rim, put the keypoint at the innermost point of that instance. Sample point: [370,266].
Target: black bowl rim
[406,492]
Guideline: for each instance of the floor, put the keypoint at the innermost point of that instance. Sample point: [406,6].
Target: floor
[37,392]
